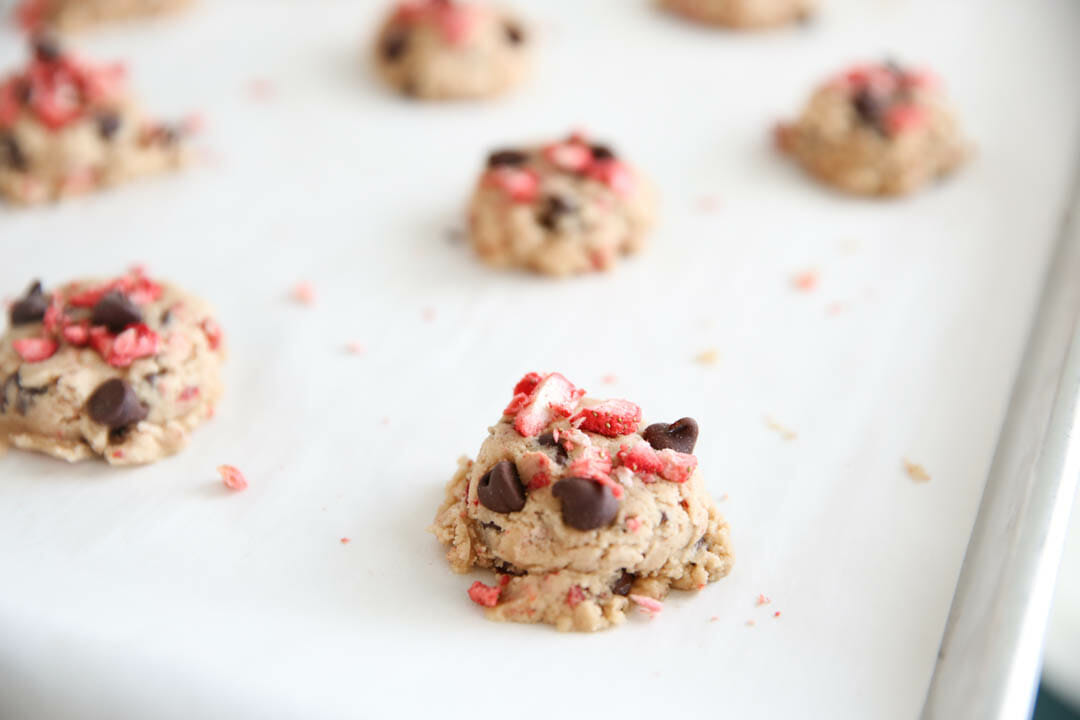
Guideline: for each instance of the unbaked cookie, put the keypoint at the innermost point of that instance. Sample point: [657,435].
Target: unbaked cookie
[68,126]
[571,206]
[65,15]
[123,369]
[743,14]
[876,129]
[581,511]
[444,49]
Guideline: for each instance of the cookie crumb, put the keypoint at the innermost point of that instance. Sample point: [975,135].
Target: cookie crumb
[723,498]
[762,600]
[708,357]
[714,618]
[304,293]
[233,478]
[750,623]
[916,472]
[805,280]
[785,432]
[647,605]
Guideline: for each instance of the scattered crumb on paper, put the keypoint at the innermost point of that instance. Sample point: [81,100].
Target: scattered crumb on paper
[750,623]
[762,599]
[805,280]
[708,357]
[355,348]
[916,471]
[304,293]
[785,432]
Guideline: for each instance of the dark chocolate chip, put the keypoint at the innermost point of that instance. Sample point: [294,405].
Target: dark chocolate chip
[13,155]
[680,436]
[663,517]
[699,544]
[26,396]
[507,569]
[46,48]
[514,34]
[395,45]
[548,440]
[623,583]
[506,157]
[500,489]
[115,311]
[108,123]
[554,207]
[869,106]
[115,405]
[166,316]
[602,152]
[12,380]
[31,307]
[491,526]
[586,504]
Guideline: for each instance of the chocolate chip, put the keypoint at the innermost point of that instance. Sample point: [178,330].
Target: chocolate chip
[663,517]
[869,106]
[115,405]
[108,123]
[623,583]
[586,505]
[491,526]
[395,46]
[548,440]
[500,489]
[506,157]
[602,152]
[13,155]
[680,436]
[554,207]
[46,48]
[23,396]
[507,569]
[514,34]
[31,307]
[115,311]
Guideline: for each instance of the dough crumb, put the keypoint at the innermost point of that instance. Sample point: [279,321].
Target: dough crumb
[916,472]
[785,432]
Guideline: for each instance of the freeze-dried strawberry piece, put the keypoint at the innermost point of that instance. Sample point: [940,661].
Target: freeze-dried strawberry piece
[575,596]
[614,174]
[213,332]
[233,478]
[553,397]
[900,118]
[534,470]
[138,288]
[677,466]
[522,185]
[33,350]
[136,342]
[77,334]
[569,156]
[485,595]
[528,383]
[610,418]
[641,458]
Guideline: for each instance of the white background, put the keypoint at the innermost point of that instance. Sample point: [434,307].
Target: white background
[155,592]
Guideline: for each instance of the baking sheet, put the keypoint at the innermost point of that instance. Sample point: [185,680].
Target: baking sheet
[155,592]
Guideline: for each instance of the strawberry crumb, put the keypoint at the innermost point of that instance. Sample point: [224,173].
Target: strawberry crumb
[261,89]
[609,379]
[762,600]
[304,293]
[485,595]
[776,614]
[575,596]
[650,606]
[714,618]
[233,478]
[836,308]
[633,524]
[355,348]
[344,540]
[805,281]
[750,623]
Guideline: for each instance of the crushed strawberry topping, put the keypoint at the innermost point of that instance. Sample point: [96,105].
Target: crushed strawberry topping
[485,595]
[522,185]
[611,418]
[34,350]
[455,20]
[59,88]
[137,341]
[135,285]
[883,96]
[549,398]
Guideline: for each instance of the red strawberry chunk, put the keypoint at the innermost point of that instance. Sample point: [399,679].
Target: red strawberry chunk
[614,174]
[901,118]
[641,458]
[77,334]
[522,185]
[136,342]
[677,466]
[553,397]
[485,595]
[34,350]
[611,418]
[213,332]
[528,383]
[569,156]
[575,596]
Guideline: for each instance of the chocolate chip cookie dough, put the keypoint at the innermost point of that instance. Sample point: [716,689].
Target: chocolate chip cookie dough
[68,15]
[581,511]
[122,369]
[743,14]
[68,126]
[570,206]
[876,129]
[445,49]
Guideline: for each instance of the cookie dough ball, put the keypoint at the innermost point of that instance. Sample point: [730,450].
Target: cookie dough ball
[77,14]
[581,510]
[68,127]
[743,14]
[876,130]
[571,206]
[121,369]
[444,49]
